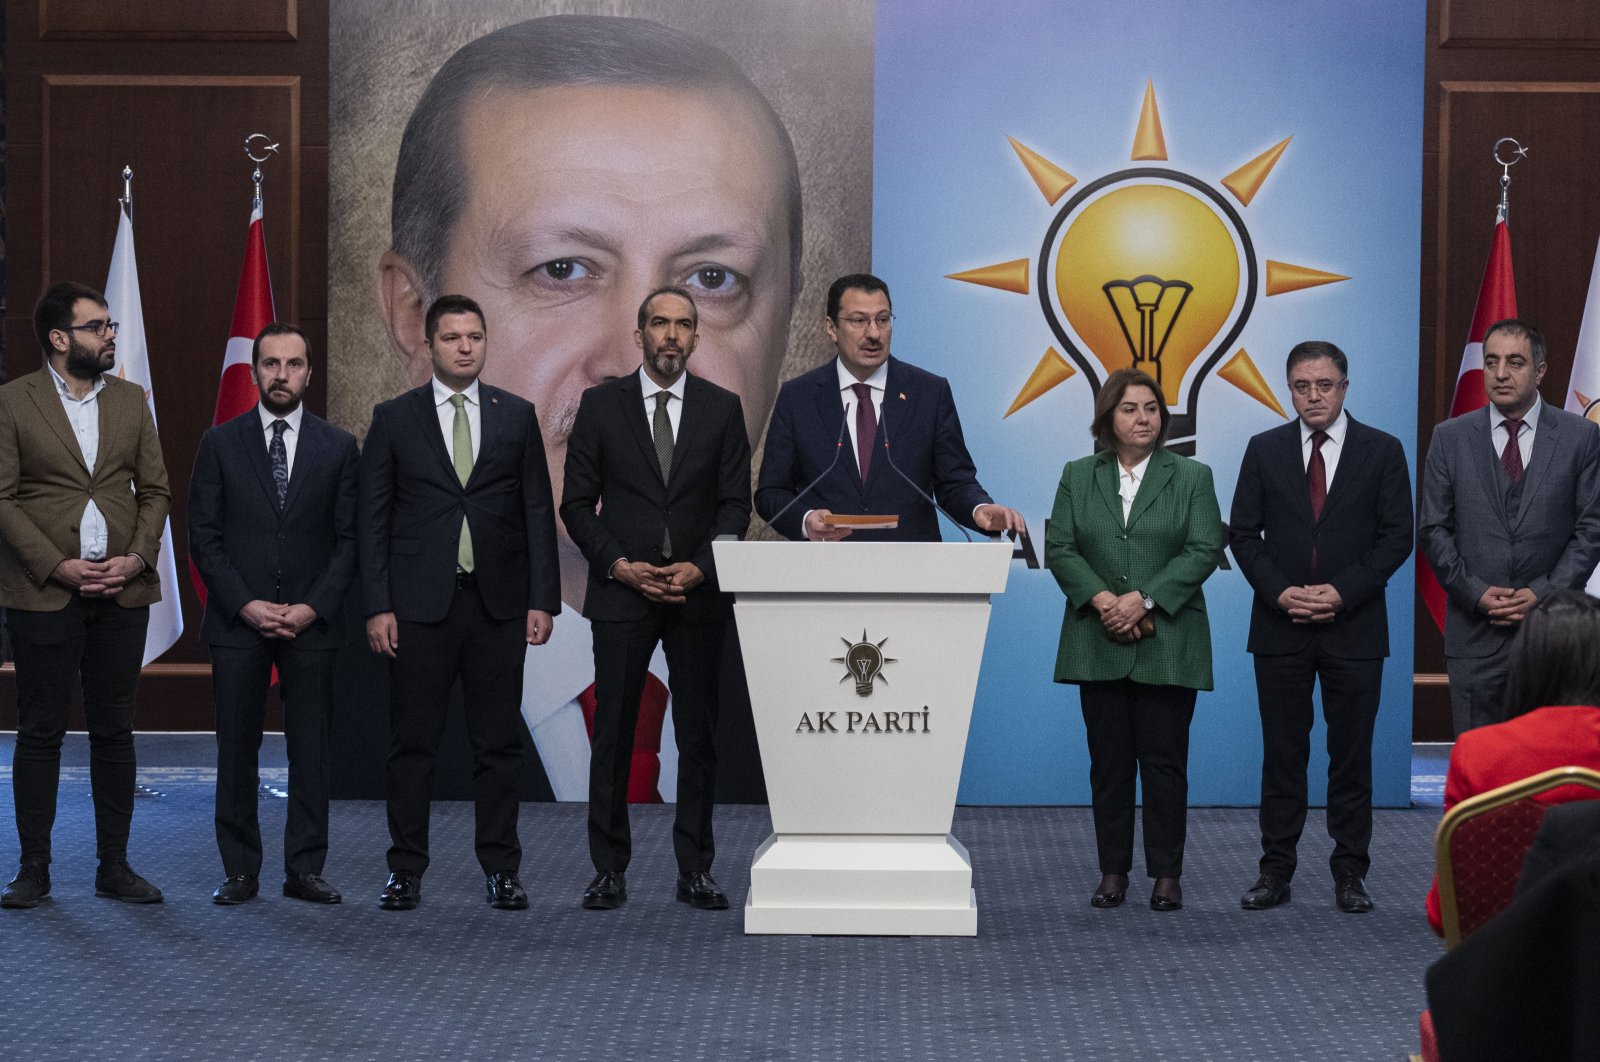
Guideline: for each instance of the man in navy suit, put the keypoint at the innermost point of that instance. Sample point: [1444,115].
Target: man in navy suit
[899,422]
[457,540]
[1321,519]
[272,530]
[1504,525]
[658,465]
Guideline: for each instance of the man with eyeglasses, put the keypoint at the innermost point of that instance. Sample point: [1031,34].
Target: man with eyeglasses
[1321,519]
[83,499]
[901,427]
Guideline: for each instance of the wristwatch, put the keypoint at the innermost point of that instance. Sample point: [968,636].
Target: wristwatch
[1149,602]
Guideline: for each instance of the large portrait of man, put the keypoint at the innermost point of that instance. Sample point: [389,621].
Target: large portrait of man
[556,169]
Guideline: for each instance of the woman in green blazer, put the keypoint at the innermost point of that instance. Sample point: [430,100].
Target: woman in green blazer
[1134,532]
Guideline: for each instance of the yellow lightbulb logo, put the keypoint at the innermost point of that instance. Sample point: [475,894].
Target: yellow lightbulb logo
[1147,276]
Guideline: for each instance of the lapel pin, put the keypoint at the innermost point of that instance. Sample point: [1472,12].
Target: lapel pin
[902,396]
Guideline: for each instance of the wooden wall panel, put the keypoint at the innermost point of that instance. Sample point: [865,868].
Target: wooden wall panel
[1528,70]
[212,20]
[177,111]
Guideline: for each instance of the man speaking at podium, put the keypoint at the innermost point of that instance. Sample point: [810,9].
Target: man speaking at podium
[905,449]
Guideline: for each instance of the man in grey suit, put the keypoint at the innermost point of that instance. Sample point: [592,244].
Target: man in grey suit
[1510,513]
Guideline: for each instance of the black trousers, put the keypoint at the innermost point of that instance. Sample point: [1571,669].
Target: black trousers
[240,679]
[100,643]
[622,654]
[1350,694]
[487,654]
[1478,689]
[1139,733]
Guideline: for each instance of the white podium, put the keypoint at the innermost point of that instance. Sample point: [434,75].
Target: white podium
[862,661]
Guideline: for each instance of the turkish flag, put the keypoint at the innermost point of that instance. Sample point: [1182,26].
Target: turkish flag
[1497,300]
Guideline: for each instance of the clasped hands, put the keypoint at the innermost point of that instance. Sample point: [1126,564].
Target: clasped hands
[105,578]
[1313,603]
[665,583]
[270,619]
[1504,606]
[1120,615]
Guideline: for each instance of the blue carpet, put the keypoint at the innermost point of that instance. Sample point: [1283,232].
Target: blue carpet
[1046,978]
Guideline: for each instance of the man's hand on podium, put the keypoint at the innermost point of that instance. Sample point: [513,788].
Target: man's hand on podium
[817,531]
[997,519]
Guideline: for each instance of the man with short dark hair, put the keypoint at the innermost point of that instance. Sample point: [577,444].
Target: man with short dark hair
[1321,519]
[272,530]
[657,467]
[1510,512]
[83,500]
[903,432]
[533,175]
[457,540]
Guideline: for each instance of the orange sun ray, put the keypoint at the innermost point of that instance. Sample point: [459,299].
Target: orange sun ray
[1052,370]
[1247,180]
[1283,277]
[1007,276]
[1148,143]
[1240,371]
[1053,181]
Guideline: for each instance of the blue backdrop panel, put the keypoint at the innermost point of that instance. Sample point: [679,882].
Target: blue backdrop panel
[1068,81]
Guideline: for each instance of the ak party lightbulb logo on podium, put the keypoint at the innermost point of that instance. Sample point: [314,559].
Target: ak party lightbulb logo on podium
[1151,268]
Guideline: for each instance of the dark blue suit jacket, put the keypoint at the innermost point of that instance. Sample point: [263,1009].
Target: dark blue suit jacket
[246,550]
[922,432]
[411,505]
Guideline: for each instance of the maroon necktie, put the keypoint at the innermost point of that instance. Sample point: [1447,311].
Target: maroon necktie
[866,427]
[1511,456]
[1317,474]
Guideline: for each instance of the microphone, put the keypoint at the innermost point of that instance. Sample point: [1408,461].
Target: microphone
[922,493]
[838,448]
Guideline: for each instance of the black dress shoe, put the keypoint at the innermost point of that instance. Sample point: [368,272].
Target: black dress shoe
[1350,893]
[1168,895]
[29,888]
[236,890]
[117,881]
[310,888]
[606,892]
[506,892]
[1110,893]
[700,890]
[1268,891]
[402,891]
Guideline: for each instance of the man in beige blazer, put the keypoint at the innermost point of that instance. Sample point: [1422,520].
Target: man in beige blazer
[83,498]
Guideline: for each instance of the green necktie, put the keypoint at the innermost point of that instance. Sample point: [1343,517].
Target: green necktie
[461,453]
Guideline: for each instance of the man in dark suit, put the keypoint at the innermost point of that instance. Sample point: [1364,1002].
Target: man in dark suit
[899,422]
[1321,519]
[658,465]
[456,531]
[83,500]
[1503,525]
[272,530]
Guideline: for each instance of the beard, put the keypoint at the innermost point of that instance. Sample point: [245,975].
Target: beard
[86,364]
[276,406]
[666,360]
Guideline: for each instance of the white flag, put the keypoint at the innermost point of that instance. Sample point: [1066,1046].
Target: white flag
[133,365]
[1583,391]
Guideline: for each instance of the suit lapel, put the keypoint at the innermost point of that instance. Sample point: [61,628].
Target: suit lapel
[307,455]
[1292,466]
[691,421]
[1545,441]
[830,408]
[1351,456]
[427,427]
[254,440]
[1483,456]
[1107,475]
[900,400]
[641,424]
[48,402]
[1157,474]
[491,424]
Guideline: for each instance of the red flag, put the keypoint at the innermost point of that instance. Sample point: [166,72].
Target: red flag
[252,311]
[1497,300]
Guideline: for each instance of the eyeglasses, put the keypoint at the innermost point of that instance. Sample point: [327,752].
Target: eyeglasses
[1322,387]
[99,328]
[859,321]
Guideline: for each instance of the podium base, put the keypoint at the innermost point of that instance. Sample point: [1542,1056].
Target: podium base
[861,885]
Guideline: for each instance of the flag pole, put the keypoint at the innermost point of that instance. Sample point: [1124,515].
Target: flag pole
[1518,153]
[127,192]
[251,147]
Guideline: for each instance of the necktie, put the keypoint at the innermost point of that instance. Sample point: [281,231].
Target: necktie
[866,427]
[1511,456]
[1317,483]
[661,428]
[461,455]
[280,460]
[644,769]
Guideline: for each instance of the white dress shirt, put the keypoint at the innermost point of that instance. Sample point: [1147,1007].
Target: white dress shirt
[1128,480]
[1500,434]
[879,382]
[674,404]
[291,434]
[84,416]
[447,415]
[1331,448]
